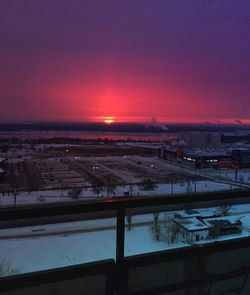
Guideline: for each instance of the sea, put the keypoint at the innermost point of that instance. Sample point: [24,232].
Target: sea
[117,131]
[90,135]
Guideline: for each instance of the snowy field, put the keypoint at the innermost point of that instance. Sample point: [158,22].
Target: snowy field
[240,175]
[33,254]
[40,247]
[168,189]
[45,252]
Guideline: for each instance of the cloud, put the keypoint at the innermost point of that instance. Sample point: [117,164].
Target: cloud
[238,121]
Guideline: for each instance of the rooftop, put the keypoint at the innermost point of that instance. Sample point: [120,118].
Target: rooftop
[192,224]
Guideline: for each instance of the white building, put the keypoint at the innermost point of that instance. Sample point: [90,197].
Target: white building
[192,229]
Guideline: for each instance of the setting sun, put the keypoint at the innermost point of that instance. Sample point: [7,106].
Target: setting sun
[108,121]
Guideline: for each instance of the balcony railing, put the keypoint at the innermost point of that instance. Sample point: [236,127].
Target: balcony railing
[208,267]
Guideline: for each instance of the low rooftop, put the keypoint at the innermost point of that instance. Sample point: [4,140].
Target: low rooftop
[192,224]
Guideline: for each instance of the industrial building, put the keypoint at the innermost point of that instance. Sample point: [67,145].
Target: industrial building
[224,226]
[198,158]
[199,139]
[171,154]
[207,159]
[241,158]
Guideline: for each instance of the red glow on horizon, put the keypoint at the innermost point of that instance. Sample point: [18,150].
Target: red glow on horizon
[126,96]
[184,120]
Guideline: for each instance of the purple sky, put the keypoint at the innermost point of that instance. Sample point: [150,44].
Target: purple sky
[183,60]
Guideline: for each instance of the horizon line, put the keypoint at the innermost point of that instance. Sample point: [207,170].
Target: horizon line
[148,122]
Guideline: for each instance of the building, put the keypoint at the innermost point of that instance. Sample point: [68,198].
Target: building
[241,158]
[207,159]
[224,226]
[171,154]
[234,137]
[192,229]
[195,229]
[198,158]
[198,139]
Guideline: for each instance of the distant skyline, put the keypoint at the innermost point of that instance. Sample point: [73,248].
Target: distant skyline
[130,60]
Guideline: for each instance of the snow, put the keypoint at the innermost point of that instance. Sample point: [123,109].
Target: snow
[33,254]
[40,247]
[242,175]
[192,224]
[140,240]
[231,218]
[243,234]
[168,189]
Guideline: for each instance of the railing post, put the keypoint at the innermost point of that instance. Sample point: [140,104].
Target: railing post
[121,272]
[120,233]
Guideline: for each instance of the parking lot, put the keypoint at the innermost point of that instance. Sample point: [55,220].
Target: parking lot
[74,167]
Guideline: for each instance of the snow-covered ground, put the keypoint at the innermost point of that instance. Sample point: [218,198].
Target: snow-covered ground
[45,252]
[240,175]
[39,247]
[230,175]
[168,189]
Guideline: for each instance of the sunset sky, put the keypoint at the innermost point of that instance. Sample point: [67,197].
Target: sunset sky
[129,60]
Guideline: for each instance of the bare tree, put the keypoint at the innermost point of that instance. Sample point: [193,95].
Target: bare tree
[111,186]
[174,231]
[171,230]
[167,232]
[6,269]
[129,219]
[156,215]
[157,232]
[148,184]
[97,189]
[189,187]
[156,228]
[224,209]
[75,193]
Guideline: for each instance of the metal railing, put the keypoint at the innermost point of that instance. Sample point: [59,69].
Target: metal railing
[117,272]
